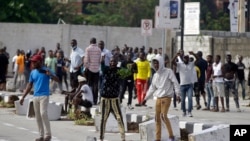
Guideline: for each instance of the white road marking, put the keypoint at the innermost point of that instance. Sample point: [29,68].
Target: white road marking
[8,124]
[21,128]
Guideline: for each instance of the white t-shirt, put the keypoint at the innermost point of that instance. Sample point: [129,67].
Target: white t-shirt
[14,61]
[76,58]
[87,93]
[217,71]
[186,72]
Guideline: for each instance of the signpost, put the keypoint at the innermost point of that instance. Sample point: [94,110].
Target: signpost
[146,30]
[192,18]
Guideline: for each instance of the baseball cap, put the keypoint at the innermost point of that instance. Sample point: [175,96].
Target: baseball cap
[36,58]
[81,78]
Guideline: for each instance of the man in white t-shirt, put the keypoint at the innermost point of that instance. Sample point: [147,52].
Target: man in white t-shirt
[76,62]
[186,70]
[84,97]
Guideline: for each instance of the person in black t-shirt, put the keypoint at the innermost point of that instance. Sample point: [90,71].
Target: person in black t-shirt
[129,80]
[241,77]
[109,99]
[3,69]
[229,71]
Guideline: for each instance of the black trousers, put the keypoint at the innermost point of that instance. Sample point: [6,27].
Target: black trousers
[127,84]
[93,80]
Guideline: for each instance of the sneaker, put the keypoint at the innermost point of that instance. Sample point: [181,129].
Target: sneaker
[198,107]
[190,114]
[227,110]
[184,114]
[39,139]
[130,107]
[238,110]
[47,138]
[205,109]
[172,139]
[137,105]
[223,110]
[205,104]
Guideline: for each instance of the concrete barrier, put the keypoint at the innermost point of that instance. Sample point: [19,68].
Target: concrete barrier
[193,127]
[112,124]
[215,133]
[22,109]
[147,129]
[54,110]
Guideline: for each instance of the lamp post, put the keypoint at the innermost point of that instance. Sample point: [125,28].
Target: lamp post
[182,23]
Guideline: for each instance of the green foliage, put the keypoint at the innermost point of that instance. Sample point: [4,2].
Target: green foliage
[121,12]
[211,18]
[123,73]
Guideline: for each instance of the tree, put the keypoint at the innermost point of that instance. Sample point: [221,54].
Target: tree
[121,12]
[211,18]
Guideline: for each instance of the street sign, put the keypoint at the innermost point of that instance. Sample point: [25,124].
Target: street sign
[146,27]
[192,18]
[169,14]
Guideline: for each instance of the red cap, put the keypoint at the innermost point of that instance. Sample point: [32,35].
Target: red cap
[36,58]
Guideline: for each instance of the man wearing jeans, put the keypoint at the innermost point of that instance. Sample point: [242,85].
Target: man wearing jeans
[229,71]
[40,77]
[186,69]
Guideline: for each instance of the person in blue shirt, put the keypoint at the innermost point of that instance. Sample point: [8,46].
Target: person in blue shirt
[40,77]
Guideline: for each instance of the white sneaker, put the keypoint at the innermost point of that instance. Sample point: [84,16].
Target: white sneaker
[190,114]
[130,107]
[238,110]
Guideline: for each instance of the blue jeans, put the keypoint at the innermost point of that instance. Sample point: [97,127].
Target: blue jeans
[230,85]
[243,87]
[210,94]
[186,90]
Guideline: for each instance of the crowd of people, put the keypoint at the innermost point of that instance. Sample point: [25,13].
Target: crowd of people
[95,78]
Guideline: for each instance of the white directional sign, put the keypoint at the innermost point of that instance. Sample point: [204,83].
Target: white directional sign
[192,18]
[146,27]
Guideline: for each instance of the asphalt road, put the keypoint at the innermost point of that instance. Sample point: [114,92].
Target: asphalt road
[19,128]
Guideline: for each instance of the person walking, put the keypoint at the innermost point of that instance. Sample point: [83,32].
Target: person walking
[128,82]
[110,97]
[92,63]
[39,77]
[142,77]
[163,85]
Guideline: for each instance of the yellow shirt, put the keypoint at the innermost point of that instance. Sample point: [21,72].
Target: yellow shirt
[143,68]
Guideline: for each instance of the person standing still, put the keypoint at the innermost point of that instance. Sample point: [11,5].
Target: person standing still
[110,97]
[40,77]
[76,63]
[92,63]
[186,69]
[229,71]
[164,85]
[241,77]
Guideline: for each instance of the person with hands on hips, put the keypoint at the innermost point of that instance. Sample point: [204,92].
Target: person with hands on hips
[163,85]
[40,77]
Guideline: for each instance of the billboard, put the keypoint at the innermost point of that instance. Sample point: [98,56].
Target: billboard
[169,14]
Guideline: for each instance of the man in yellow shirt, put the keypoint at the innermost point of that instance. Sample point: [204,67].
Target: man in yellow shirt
[142,77]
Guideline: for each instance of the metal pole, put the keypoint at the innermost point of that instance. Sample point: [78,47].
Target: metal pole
[182,22]
[248,15]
